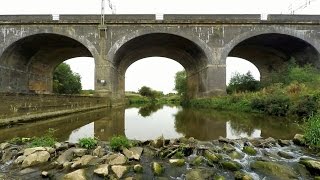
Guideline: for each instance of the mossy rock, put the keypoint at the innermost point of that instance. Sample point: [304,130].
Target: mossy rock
[197,161]
[312,166]
[231,165]
[198,174]
[249,150]
[157,169]
[242,176]
[273,169]
[235,155]
[137,168]
[219,177]
[177,162]
[212,157]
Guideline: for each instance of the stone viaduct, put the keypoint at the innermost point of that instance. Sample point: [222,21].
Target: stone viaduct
[31,46]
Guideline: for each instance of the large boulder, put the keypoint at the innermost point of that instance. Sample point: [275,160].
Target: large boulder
[66,156]
[4,146]
[119,171]
[36,158]
[299,140]
[86,160]
[133,153]
[273,169]
[116,159]
[312,166]
[76,175]
[79,152]
[102,170]
[29,151]
[99,151]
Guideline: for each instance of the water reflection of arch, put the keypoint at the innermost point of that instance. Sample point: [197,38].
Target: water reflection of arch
[110,125]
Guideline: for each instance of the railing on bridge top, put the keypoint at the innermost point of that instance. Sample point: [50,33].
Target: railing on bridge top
[161,18]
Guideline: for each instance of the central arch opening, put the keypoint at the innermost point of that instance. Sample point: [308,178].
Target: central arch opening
[182,50]
[155,72]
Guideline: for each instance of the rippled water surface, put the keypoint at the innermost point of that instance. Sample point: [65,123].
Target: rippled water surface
[149,122]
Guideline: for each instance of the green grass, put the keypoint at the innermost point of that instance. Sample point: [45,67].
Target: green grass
[88,142]
[119,142]
[312,131]
[48,140]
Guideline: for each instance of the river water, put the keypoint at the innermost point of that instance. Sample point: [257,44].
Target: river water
[150,122]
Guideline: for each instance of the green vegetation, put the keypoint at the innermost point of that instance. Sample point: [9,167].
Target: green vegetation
[243,83]
[47,140]
[180,81]
[88,142]
[65,81]
[292,92]
[119,142]
[312,131]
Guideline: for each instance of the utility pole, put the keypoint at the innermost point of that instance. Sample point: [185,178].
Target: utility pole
[110,5]
[294,7]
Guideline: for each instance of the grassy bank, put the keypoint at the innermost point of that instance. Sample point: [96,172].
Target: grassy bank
[137,99]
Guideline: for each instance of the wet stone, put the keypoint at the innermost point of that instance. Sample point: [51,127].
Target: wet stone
[138,168]
[157,168]
[249,150]
[102,170]
[285,155]
[283,143]
[299,140]
[76,175]
[119,170]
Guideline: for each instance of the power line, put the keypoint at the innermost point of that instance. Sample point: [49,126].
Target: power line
[293,9]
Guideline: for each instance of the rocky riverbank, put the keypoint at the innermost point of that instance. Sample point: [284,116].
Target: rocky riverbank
[164,159]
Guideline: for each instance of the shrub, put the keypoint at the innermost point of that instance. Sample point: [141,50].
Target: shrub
[277,105]
[88,142]
[47,140]
[312,130]
[306,106]
[119,142]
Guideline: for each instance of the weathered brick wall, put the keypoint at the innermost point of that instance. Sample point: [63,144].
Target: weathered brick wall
[18,104]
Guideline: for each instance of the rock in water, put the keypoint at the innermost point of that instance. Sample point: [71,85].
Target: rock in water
[158,143]
[274,169]
[157,168]
[76,175]
[119,170]
[312,166]
[231,165]
[249,150]
[138,168]
[200,174]
[177,162]
[298,139]
[36,158]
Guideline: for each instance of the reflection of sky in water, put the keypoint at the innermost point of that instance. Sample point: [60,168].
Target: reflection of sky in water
[157,124]
[84,131]
[234,134]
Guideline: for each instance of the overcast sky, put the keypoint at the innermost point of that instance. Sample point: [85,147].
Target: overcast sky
[137,74]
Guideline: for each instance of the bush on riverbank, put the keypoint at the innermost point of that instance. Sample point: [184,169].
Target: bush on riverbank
[293,92]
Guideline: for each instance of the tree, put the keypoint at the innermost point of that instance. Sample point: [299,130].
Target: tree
[181,83]
[145,91]
[243,82]
[65,81]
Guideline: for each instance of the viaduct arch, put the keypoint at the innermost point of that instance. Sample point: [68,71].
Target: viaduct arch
[31,47]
